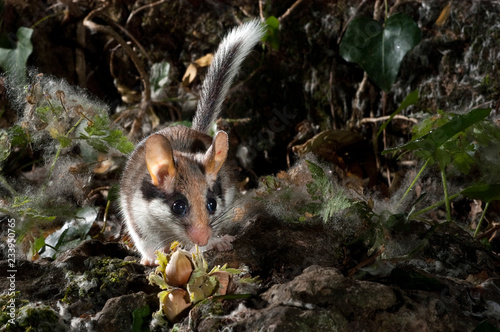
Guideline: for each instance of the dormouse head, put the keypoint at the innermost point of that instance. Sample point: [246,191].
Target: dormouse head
[188,183]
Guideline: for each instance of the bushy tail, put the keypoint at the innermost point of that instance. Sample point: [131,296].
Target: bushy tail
[225,64]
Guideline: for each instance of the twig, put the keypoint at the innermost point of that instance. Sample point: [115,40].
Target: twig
[385,118]
[133,13]
[330,96]
[366,262]
[134,40]
[261,11]
[377,10]
[146,95]
[289,10]
[356,108]
[488,232]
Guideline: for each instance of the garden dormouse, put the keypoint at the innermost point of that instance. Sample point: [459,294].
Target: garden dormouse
[177,184]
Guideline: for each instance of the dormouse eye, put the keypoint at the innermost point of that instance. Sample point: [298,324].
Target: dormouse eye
[211,205]
[179,207]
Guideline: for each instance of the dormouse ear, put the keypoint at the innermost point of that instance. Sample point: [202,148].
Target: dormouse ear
[159,159]
[216,154]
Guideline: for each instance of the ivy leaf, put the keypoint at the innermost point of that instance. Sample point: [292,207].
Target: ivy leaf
[380,50]
[14,55]
[72,233]
[485,193]
[433,140]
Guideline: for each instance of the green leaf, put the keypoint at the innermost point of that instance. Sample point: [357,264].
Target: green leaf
[98,144]
[159,76]
[114,193]
[18,136]
[64,141]
[432,141]
[101,137]
[72,233]
[38,244]
[485,193]
[14,55]
[116,140]
[331,199]
[138,316]
[411,99]
[380,50]
[272,35]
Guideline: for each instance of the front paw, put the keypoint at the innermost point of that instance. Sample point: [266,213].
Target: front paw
[220,243]
[149,261]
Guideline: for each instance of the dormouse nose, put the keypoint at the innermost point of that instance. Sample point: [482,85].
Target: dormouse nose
[199,234]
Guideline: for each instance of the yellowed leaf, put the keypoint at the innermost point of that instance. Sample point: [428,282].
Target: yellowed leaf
[205,60]
[444,15]
[189,75]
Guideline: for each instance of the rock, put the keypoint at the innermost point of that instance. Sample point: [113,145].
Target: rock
[33,281]
[122,313]
[74,259]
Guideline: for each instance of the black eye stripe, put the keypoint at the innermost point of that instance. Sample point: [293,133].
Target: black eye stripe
[217,189]
[150,191]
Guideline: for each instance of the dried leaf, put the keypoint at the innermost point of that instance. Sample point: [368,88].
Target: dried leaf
[445,13]
[205,60]
[189,75]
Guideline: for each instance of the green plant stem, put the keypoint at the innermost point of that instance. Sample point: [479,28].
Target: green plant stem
[386,10]
[59,149]
[105,218]
[446,194]
[433,206]
[7,186]
[76,125]
[481,219]
[414,181]
[42,20]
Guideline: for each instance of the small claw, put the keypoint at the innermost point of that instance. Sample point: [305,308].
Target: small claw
[149,261]
[221,243]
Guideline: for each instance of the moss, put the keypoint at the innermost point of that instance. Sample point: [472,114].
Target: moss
[5,313]
[31,317]
[38,318]
[104,278]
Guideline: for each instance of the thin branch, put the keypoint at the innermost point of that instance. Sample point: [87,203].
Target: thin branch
[134,40]
[356,107]
[370,260]
[261,11]
[289,10]
[133,13]
[330,96]
[385,118]
[146,95]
